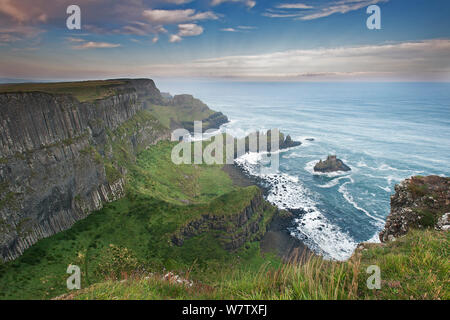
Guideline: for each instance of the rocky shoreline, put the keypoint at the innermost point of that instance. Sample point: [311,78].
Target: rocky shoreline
[277,238]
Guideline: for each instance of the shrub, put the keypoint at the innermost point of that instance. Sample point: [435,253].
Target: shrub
[117,262]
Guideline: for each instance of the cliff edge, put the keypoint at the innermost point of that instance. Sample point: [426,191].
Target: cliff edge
[63,147]
[418,202]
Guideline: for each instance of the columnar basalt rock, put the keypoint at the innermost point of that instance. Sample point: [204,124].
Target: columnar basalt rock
[234,229]
[52,172]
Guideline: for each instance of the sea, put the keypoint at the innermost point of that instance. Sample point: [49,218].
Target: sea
[385,132]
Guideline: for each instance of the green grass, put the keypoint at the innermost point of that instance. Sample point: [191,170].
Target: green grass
[82,91]
[143,222]
[414,267]
[155,174]
[180,114]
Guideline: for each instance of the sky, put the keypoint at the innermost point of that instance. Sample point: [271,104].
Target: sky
[237,40]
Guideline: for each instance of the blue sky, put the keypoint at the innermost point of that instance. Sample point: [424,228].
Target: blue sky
[309,40]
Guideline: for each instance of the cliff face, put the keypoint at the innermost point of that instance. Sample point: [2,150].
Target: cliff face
[52,152]
[233,230]
[418,202]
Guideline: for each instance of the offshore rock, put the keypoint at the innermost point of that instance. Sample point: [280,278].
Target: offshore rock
[332,164]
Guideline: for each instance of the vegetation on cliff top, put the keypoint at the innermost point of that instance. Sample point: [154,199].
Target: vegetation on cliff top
[415,267]
[82,90]
[161,198]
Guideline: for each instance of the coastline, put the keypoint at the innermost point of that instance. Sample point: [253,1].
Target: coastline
[277,238]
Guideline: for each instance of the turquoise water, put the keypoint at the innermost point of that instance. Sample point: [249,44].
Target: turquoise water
[385,132]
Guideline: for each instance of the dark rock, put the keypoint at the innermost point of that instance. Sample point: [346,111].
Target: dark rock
[418,202]
[231,230]
[51,168]
[332,164]
[289,143]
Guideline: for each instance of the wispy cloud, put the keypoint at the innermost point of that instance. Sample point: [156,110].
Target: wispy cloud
[163,17]
[304,11]
[406,60]
[178,1]
[294,6]
[238,29]
[229,30]
[92,44]
[248,3]
[18,33]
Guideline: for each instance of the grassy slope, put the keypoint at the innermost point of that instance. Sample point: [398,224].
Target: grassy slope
[143,222]
[161,197]
[186,113]
[83,91]
[414,267]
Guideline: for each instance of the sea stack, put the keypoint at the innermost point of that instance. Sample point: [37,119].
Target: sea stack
[332,164]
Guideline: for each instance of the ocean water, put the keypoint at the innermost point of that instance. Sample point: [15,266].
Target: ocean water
[385,132]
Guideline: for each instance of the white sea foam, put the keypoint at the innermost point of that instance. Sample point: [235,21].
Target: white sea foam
[375,238]
[348,197]
[324,237]
[333,182]
[313,228]
[387,189]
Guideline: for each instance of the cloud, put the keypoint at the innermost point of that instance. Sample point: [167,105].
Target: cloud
[294,6]
[179,1]
[426,59]
[95,45]
[238,29]
[302,11]
[247,27]
[189,30]
[174,38]
[9,9]
[18,33]
[229,30]
[135,17]
[186,30]
[248,3]
[176,16]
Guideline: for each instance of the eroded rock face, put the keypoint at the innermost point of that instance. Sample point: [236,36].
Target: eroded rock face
[418,202]
[51,173]
[332,164]
[232,230]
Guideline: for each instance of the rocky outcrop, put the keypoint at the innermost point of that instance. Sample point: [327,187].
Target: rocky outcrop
[213,121]
[231,229]
[289,143]
[332,164]
[418,202]
[192,105]
[52,158]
